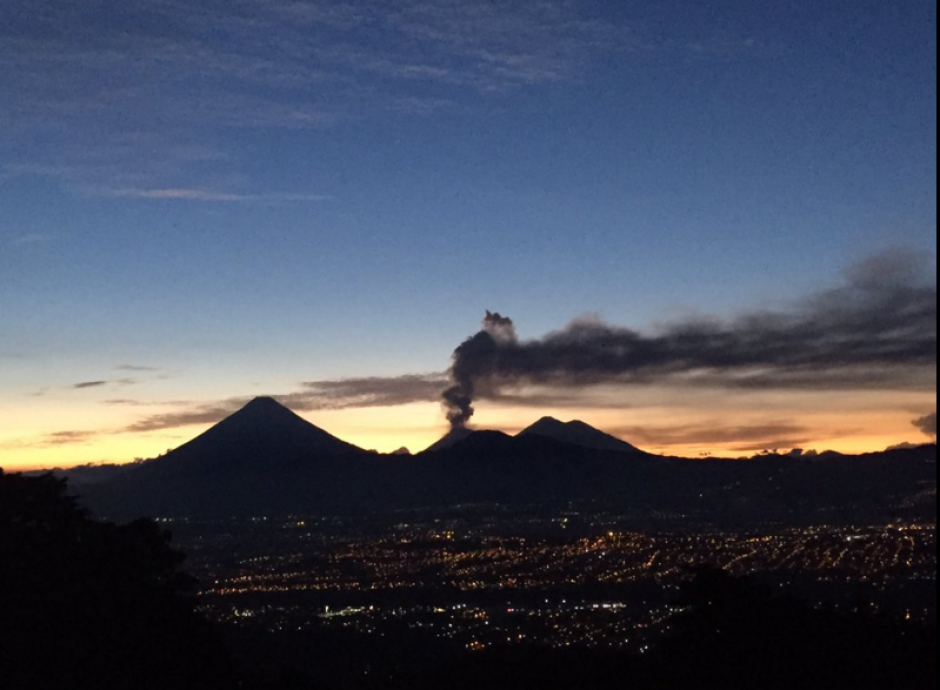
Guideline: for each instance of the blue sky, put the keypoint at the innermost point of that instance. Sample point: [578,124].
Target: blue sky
[246,193]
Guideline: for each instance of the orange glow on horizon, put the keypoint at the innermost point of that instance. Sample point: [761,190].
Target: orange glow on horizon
[85,435]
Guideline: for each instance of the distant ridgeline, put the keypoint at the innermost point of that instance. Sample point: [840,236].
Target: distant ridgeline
[265,460]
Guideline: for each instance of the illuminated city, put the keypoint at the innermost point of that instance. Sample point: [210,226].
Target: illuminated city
[513,578]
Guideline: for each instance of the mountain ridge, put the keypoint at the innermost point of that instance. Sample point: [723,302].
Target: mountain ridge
[578,433]
[265,460]
[262,435]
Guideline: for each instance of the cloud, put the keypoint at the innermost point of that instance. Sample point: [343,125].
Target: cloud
[90,384]
[65,438]
[137,368]
[205,195]
[368,392]
[87,385]
[32,239]
[144,102]
[206,414]
[775,445]
[905,446]
[927,424]
[877,330]
[753,437]
[315,396]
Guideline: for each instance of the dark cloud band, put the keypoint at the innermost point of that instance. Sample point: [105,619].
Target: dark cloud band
[879,329]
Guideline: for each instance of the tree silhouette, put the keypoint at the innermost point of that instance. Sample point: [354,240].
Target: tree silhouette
[87,604]
[737,632]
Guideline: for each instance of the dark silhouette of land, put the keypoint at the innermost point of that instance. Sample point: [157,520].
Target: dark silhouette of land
[87,604]
[265,460]
[578,434]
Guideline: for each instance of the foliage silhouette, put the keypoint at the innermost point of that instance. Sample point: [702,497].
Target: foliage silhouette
[739,631]
[87,604]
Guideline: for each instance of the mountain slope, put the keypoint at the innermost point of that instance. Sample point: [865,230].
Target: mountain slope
[264,460]
[262,436]
[577,434]
[453,438]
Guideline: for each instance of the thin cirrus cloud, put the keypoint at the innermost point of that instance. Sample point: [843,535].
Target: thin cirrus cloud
[207,195]
[121,95]
[32,239]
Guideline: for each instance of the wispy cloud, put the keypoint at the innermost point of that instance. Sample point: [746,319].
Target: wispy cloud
[314,396]
[32,239]
[67,438]
[206,195]
[190,415]
[87,385]
[147,103]
[368,392]
[750,437]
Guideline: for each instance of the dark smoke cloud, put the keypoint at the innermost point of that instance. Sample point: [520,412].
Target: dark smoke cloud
[476,361]
[879,329]
[927,424]
[367,392]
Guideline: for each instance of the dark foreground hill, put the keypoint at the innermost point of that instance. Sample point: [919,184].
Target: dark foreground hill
[88,604]
[267,461]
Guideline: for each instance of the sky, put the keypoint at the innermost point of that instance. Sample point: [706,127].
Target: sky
[202,201]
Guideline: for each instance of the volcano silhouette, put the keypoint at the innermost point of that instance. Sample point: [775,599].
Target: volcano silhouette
[266,461]
[578,434]
[453,438]
[263,436]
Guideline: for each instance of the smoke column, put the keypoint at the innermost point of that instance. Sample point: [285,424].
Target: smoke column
[878,330]
[473,361]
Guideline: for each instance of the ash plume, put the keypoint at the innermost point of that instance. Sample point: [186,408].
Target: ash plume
[475,361]
[927,424]
[877,330]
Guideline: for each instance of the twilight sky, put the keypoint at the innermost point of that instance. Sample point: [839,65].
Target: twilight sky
[202,201]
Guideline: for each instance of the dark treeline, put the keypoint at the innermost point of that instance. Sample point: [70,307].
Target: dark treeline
[88,604]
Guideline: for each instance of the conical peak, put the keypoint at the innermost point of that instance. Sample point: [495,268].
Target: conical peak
[264,403]
[265,408]
[263,434]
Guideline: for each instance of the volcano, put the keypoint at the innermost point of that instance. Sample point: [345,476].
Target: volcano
[578,434]
[453,438]
[266,461]
[262,436]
